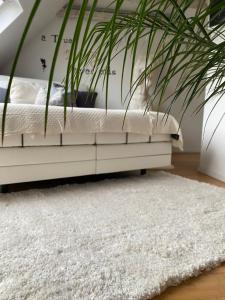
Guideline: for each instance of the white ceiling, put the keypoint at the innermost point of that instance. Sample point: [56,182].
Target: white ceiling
[127,5]
[9,39]
[9,12]
[48,10]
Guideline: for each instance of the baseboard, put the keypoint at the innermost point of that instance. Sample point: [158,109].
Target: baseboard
[186,153]
[212,174]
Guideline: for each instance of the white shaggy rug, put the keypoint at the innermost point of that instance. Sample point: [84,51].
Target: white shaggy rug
[116,239]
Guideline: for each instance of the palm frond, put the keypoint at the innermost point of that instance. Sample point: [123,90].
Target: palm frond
[15,62]
[181,45]
[54,61]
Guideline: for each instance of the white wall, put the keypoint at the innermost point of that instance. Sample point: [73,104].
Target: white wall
[213,144]
[213,136]
[43,48]
[191,123]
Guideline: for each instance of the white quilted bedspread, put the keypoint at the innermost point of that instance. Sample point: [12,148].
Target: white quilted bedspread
[29,119]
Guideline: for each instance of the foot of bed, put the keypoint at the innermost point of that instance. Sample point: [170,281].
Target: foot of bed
[4,189]
[143,172]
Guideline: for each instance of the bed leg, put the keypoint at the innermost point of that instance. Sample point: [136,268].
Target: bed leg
[143,172]
[4,189]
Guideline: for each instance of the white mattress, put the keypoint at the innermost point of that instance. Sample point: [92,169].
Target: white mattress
[70,139]
[26,120]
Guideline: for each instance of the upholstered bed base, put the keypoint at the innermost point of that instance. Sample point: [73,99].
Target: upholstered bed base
[33,158]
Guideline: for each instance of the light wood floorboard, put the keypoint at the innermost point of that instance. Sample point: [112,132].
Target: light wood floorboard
[210,285]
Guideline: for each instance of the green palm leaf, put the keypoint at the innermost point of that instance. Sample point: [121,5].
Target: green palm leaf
[15,62]
[54,61]
[180,45]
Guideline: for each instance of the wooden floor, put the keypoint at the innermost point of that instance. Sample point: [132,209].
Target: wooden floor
[210,285]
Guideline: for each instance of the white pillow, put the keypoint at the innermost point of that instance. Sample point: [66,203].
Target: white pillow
[56,98]
[4,84]
[23,92]
[4,81]
[141,95]
[143,92]
[41,97]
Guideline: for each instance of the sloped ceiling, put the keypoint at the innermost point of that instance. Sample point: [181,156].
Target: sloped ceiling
[48,10]
[131,4]
[9,39]
[127,5]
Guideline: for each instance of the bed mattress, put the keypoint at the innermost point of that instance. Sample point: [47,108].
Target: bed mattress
[25,126]
[71,139]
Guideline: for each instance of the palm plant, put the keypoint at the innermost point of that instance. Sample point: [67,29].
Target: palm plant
[186,48]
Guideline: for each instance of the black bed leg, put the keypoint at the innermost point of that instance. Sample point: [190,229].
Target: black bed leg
[4,189]
[143,172]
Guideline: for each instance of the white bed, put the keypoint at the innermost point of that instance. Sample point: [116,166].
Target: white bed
[92,142]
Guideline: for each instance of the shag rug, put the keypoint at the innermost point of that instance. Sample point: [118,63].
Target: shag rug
[127,238]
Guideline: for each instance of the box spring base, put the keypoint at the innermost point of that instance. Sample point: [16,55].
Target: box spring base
[29,164]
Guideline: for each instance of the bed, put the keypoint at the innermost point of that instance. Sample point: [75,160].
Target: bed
[93,141]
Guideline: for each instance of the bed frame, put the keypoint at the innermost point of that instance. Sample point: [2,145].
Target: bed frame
[27,158]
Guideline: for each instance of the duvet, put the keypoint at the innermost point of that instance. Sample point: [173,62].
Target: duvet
[29,119]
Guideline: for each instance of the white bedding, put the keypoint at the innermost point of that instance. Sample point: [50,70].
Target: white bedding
[25,119]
